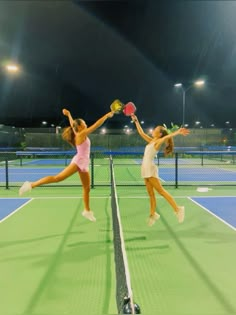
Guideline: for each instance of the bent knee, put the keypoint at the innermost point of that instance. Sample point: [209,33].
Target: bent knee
[86,188]
[162,191]
[150,191]
[58,178]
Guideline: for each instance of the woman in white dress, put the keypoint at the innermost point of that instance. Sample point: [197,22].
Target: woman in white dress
[149,170]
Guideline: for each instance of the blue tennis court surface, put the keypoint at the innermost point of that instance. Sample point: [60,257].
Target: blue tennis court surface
[193,174]
[8,206]
[198,174]
[222,207]
[48,162]
[32,174]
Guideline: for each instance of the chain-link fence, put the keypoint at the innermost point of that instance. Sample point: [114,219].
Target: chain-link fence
[205,157]
[185,168]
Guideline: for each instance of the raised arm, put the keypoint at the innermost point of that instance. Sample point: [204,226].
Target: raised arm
[98,123]
[67,113]
[180,131]
[140,129]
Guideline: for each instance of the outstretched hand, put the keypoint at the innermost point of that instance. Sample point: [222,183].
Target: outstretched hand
[110,114]
[183,131]
[134,118]
[65,112]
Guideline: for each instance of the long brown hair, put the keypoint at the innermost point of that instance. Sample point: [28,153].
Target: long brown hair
[68,133]
[169,148]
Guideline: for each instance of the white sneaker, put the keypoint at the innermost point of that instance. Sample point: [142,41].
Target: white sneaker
[26,187]
[180,214]
[156,216]
[89,215]
[151,221]
[153,218]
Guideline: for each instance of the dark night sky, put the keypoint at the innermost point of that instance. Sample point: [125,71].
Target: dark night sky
[84,54]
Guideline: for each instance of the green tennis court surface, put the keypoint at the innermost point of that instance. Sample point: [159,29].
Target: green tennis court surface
[54,262]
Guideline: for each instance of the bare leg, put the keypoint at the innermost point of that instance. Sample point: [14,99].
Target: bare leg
[151,193]
[155,182]
[85,179]
[68,171]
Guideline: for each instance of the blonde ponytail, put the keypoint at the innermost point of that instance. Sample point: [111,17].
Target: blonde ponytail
[68,133]
[69,136]
[169,148]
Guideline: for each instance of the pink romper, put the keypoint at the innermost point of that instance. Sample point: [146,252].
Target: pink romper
[81,159]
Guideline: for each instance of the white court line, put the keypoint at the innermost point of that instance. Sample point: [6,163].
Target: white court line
[17,209]
[120,197]
[68,197]
[161,179]
[101,197]
[212,213]
[228,170]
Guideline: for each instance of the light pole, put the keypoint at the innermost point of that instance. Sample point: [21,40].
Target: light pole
[184,90]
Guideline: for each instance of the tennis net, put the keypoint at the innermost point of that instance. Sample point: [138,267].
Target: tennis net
[124,295]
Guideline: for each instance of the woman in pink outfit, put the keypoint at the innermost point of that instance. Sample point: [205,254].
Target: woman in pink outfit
[77,135]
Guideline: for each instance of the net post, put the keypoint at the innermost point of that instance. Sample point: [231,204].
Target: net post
[92,170]
[176,169]
[6,172]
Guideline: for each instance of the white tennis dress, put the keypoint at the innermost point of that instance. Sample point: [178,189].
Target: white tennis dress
[148,168]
